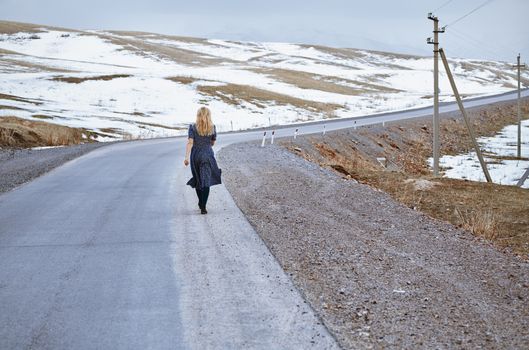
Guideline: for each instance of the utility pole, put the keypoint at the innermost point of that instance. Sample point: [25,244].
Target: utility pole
[435,43]
[519,144]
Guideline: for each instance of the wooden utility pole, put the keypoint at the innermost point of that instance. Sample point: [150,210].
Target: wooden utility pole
[435,44]
[464,113]
[519,143]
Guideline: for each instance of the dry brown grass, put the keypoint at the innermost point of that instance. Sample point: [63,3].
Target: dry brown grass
[395,139]
[481,223]
[41,116]
[182,79]
[345,163]
[162,126]
[77,80]
[490,211]
[351,53]
[493,212]
[235,94]
[7,27]
[140,47]
[338,52]
[11,108]
[6,52]
[113,131]
[22,133]
[359,54]
[332,84]
[138,34]
[10,27]
[31,65]
[18,99]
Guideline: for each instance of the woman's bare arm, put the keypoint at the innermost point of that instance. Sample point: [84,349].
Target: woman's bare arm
[214,136]
[188,151]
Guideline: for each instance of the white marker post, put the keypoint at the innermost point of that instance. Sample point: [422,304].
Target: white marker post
[295,134]
[269,122]
[264,138]
[231,121]
[354,126]
[323,129]
[273,134]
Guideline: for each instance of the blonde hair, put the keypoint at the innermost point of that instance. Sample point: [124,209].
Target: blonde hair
[204,124]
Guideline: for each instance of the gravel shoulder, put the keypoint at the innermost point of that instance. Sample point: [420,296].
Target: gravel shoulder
[18,166]
[380,274]
[496,212]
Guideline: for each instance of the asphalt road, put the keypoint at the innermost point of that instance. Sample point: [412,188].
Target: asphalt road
[109,251]
[344,123]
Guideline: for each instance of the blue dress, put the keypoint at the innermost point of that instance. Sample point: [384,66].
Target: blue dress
[204,167]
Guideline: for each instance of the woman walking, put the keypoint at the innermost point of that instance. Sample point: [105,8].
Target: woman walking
[199,153]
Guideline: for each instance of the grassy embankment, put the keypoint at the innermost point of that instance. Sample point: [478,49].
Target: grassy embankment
[494,212]
[23,133]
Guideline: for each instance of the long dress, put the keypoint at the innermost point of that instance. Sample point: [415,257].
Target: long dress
[204,167]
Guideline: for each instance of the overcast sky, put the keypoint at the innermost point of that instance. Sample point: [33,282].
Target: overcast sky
[499,30]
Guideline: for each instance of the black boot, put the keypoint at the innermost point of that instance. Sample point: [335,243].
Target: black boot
[203,195]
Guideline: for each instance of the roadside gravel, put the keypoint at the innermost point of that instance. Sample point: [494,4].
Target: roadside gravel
[18,166]
[379,274]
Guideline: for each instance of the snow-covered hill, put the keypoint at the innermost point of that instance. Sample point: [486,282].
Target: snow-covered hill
[142,84]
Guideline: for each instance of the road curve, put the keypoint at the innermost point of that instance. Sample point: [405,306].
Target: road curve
[344,123]
[109,252]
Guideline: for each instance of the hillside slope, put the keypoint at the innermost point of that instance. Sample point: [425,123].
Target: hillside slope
[121,84]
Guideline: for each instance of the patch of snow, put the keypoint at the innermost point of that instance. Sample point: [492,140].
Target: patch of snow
[502,171]
[421,184]
[44,147]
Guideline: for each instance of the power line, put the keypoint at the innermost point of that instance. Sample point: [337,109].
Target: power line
[443,5]
[496,44]
[481,48]
[479,53]
[484,47]
[497,48]
[469,13]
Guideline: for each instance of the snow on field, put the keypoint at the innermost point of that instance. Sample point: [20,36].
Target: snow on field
[73,47]
[121,84]
[216,48]
[502,171]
